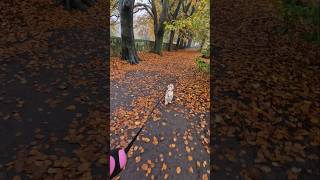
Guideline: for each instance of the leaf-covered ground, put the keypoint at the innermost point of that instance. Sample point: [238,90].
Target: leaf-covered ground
[53,92]
[174,142]
[266,94]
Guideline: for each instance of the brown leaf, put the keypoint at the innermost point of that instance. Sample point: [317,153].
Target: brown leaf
[155,140]
[164,167]
[138,158]
[144,167]
[205,177]
[172,145]
[188,149]
[71,108]
[198,163]
[145,139]
[178,170]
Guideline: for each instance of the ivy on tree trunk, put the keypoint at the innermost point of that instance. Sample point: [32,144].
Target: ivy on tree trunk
[159,26]
[171,40]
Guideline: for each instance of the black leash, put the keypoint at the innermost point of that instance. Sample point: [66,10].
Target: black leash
[114,154]
[135,137]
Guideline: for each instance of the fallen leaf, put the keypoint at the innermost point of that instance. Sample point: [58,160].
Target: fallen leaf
[164,166]
[198,163]
[188,149]
[172,145]
[205,177]
[138,158]
[145,139]
[71,108]
[178,170]
[144,167]
[155,140]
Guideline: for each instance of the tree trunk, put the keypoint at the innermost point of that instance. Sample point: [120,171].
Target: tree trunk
[189,43]
[181,44]
[171,40]
[159,40]
[159,33]
[174,16]
[202,43]
[178,43]
[128,50]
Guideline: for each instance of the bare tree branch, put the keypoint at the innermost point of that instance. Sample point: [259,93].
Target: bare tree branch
[155,14]
[116,20]
[144,7]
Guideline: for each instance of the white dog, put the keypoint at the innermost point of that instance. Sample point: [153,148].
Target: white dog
[169,94]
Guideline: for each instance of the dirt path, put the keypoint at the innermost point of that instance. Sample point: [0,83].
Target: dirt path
[172,145]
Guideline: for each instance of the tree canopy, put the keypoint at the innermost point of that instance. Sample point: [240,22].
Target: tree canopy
[195,21]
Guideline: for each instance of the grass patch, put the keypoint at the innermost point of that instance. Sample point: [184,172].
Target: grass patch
[205,53]
[202,65]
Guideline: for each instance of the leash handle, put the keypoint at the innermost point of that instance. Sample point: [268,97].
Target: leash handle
[118,161]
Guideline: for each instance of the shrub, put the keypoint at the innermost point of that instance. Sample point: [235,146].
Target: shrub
[205,53]
[202,65]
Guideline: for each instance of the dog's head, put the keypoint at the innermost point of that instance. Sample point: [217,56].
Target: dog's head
[170,87]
